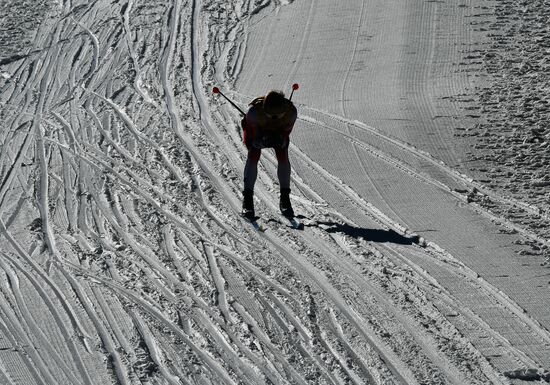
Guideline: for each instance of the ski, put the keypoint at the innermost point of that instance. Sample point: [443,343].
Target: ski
[259,227]
[294,223]
[256,225]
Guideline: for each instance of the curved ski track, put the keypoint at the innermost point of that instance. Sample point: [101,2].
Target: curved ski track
[124,259]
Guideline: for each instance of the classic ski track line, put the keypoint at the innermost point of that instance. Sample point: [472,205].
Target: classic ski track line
[140,193]
[337,329]
[262,51]
[504,300]
[112,323]
[149,340]
[430,159]
[258,332]
[154,312]
[303,42]
[298,345]
[131,50]
[70,203]
[268,372]
[202,306]
[423,339]
[431,181]
[64,302]
[266,341]
[53,311]
[16,165]
[219,282]
[37,331]
[237,290]
[446,297]
[351,62]
[252,308]
[434,250]
[245,371]
[306,337]
[351,376]
[394,363]
[16,328]
[29,356]
[107,340]
[283,326]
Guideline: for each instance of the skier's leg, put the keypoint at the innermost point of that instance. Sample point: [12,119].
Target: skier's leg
[283,173]
[283,167]
[251,168]
[250,175]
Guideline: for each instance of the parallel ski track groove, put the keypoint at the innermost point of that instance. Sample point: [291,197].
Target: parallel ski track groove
[296,343]
[16,328]
[357,359]
[424,340]
[303,41]
[394,363]
[148,337]
[26,356]
[53,309]
[432,247]
[37,331]
[441,166]
[439,253]
[442,294]
[157,314]
[219,282]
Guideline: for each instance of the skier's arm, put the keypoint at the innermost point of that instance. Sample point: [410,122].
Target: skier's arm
[289,121]
[249,125]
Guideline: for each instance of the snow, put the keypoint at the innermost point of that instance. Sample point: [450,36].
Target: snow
[123,258]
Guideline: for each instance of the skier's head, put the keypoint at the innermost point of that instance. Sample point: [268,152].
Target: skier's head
[275,104]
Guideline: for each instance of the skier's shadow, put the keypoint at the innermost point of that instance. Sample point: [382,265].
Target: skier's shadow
[373,235]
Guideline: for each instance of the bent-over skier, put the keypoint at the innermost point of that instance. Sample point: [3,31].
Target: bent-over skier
[268,124]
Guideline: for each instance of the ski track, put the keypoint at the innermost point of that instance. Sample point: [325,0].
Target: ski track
[124,257]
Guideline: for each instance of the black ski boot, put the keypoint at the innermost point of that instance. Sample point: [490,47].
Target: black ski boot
[248,205]
[284,203]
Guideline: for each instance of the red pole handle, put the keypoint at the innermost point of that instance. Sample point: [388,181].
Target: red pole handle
[295,86]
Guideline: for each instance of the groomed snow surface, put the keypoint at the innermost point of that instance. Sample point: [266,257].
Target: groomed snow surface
[123,258]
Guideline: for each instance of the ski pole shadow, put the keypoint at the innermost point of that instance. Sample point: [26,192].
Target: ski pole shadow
[373,235]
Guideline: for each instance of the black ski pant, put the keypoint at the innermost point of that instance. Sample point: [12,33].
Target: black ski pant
[251,167]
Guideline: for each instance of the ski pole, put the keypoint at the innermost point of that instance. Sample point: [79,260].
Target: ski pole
[216,90]
[295,86]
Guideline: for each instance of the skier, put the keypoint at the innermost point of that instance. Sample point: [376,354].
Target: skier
[268,124]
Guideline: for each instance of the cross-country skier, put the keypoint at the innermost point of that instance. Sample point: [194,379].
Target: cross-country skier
[268,124]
